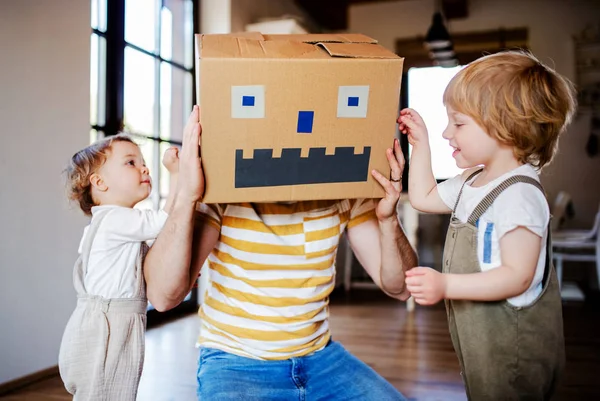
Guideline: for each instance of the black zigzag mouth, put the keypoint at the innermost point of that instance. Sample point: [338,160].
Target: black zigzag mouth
[263,170]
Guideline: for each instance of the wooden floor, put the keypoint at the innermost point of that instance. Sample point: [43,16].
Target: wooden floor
[411,350]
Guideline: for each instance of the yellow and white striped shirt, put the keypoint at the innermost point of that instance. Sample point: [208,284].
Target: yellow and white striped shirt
[271,274]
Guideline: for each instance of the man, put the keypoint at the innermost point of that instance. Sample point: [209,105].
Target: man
[265,332]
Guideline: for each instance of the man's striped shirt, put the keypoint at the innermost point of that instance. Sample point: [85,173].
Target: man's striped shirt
[271,274]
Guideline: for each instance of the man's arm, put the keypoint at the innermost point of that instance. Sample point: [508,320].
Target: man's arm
[380,244]
[384,251]
[167,267]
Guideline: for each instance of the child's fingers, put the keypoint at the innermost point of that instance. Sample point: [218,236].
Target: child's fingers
[415,271]
[409,122]
[171,155]
[424,302]
[414,281]
[406,111]
[414,290]
[412,114]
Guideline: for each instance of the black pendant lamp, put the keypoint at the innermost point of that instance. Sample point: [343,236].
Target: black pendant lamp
[439,43]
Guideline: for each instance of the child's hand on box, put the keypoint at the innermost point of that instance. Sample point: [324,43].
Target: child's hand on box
[171,160]
[426,285]
[411,123]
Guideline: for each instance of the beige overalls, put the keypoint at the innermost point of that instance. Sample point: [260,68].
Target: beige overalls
[505,352]
[102,350]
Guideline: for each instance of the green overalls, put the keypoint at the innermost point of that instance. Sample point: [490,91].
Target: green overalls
[505,352]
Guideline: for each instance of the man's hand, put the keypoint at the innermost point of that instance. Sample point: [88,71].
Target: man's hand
[190,185]
[411,123]
[426,285]
[386,208]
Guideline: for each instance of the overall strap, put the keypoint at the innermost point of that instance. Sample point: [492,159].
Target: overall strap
[82,264]
[140,287]
[487,201]
[469,178]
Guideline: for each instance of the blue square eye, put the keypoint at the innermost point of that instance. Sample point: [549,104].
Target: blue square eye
[353,101]
[247,100]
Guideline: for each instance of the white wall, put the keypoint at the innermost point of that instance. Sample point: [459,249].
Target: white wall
[215,16]
[245,12]
[551,25]
[44,110]
[225,16]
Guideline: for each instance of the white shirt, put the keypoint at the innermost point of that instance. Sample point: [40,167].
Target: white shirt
[520,205]
[111,270]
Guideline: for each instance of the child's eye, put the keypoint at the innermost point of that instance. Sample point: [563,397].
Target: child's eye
[458,125]
[131,162]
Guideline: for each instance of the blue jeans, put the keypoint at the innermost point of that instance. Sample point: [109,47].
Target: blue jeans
[330,374]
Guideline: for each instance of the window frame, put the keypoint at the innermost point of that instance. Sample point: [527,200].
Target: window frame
[111,94]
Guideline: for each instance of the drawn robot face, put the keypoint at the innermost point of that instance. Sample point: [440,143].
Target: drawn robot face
[290,167]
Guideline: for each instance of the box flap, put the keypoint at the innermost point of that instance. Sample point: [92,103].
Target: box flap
[221,46]
[323,38]
[309,46]
[357,50]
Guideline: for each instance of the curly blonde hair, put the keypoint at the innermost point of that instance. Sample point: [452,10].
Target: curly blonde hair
[517,100]
[85,163]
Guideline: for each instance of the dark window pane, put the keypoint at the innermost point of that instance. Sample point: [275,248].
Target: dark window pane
[139,93]
[141,22]
[177,31]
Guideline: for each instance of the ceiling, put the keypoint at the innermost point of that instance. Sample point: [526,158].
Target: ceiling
[332,15]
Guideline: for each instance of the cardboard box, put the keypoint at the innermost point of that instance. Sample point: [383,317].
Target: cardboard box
[295,117]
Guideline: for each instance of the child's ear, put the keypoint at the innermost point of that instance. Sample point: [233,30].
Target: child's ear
[97,182]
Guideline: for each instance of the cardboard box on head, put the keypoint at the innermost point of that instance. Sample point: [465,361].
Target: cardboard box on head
[295,117]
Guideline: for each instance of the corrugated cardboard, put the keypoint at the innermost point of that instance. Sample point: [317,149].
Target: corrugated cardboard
[295,117]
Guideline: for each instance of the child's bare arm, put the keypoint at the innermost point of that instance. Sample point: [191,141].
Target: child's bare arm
[519,251]
[422,187]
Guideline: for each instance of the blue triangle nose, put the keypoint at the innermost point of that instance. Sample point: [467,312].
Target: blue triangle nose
[305,122]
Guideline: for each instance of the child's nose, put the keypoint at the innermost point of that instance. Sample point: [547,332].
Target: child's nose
[305,122]
[145,170]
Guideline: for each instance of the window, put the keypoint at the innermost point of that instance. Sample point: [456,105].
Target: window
[141,78]
[425,94]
